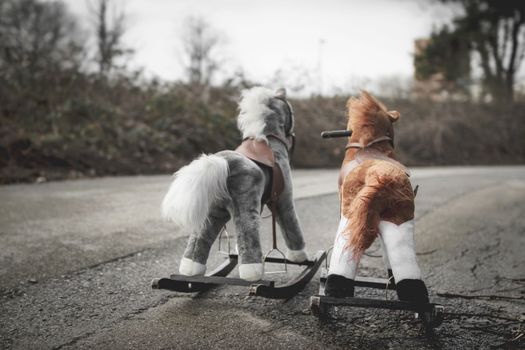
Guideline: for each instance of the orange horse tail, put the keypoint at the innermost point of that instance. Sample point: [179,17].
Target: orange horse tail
[363,220]
[386,191]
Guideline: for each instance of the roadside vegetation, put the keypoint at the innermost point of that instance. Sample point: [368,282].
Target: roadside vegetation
[70,110]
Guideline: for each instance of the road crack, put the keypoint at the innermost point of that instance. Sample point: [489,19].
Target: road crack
[478,296]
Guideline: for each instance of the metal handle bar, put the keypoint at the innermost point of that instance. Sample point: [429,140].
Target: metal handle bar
[336,133]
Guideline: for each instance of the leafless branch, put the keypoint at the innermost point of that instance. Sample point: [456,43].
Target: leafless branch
[110,26]
[478,296]
[200,43]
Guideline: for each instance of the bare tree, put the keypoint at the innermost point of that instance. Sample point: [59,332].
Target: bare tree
[34,36]
[41,52]
[110,26]
[200,58]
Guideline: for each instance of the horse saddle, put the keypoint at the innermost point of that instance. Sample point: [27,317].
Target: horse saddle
[260,152]
[364,155]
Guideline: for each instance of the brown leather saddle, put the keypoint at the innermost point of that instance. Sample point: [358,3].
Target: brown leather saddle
[260,152]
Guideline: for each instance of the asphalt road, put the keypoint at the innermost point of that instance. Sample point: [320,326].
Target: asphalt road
[77,259]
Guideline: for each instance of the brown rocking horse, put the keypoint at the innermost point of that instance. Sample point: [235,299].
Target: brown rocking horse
[377,200]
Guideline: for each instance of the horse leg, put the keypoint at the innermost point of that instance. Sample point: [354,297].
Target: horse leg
[199,244]
[400,247]
[247,221]
[343,266]
[386,260]
[290,228]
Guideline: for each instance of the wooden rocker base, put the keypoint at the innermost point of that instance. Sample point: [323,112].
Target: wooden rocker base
[431,314]
[263,288]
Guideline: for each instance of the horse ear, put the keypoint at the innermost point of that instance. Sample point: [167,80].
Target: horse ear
[393,116]
[280,93]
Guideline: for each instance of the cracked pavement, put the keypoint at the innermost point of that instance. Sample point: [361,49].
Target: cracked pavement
[78,257]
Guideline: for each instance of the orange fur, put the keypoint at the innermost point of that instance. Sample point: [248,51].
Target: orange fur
[376,189]
[369,119]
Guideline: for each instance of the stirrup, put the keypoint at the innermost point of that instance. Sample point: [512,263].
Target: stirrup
[388,284]
[227,253]
[265,214]
[328,257]
[281,258]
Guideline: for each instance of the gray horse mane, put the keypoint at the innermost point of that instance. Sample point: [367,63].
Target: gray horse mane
[253,110]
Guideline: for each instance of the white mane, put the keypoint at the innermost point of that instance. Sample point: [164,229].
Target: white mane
[252,111]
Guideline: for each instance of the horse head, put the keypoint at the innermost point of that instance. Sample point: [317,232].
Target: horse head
[370,121]
[264,114]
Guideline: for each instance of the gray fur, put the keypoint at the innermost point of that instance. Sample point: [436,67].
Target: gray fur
[199,244]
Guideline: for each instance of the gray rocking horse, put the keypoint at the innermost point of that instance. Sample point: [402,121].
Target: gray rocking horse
[215,188]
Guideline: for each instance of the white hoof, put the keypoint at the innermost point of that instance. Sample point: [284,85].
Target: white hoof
[251,272]
[296,255]
[189,267]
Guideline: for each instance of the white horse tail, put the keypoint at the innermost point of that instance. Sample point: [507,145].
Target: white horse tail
[193,191]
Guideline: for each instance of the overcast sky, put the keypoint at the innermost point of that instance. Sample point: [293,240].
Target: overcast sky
[350,40]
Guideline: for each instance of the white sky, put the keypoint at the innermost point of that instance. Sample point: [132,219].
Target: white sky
[363,39]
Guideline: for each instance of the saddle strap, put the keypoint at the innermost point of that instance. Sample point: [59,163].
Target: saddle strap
[277,189]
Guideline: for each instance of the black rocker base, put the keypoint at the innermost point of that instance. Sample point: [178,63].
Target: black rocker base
[267,289]
[431,314]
